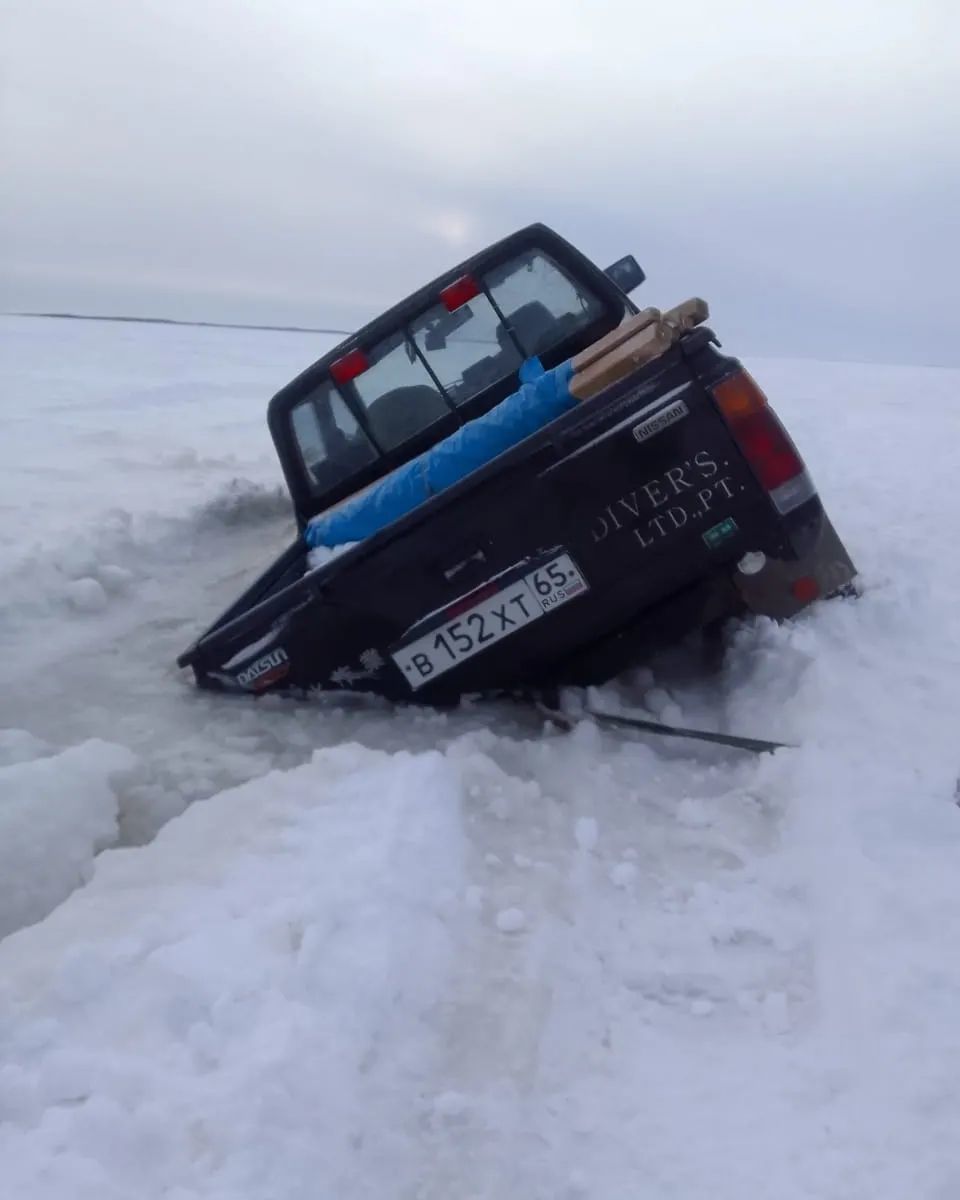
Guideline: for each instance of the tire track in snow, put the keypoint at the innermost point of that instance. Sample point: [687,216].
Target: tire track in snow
[610,853]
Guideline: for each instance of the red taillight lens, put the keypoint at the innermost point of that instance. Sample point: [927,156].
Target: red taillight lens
[764,441]
[455,295]
[767,449]
[349,367]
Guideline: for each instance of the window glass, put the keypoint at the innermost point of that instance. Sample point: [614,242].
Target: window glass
[331,442]
[541,302]
[468,349]
[398,393]
[442,359]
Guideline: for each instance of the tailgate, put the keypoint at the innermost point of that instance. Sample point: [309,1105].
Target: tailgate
[632,498]
[659,496]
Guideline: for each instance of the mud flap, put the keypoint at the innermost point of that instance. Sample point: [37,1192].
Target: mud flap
[781,589]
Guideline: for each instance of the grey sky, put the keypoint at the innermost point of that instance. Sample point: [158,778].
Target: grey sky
[311,161]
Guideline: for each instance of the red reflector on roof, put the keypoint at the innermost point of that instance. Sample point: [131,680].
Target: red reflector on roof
[455,295]
[349,367]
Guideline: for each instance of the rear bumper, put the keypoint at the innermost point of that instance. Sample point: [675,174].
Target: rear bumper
[709,601]
[814,553]
[783,587]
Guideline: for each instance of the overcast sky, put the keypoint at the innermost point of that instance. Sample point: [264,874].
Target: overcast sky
[311,161]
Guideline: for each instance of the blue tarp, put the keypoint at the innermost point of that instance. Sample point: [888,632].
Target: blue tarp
[539,401]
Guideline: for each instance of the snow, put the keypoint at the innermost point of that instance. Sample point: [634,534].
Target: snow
[623,874]
[511,920]
[55,813]
[171,1032]
[586,833]
[319,556]
[298,950]
[86,594]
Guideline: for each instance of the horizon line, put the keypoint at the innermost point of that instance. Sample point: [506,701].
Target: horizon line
[69,316]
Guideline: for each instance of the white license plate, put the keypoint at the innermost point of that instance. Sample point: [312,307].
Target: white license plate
[490,620]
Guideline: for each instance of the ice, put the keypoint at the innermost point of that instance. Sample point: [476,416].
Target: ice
[16,745]
[658,700]
[274,972]
[300,983]
[86,595]
[121,444]
[114,579]
[55,814]
[450,1105]
[586,831]
[511,920]
[623,874]
[693,812]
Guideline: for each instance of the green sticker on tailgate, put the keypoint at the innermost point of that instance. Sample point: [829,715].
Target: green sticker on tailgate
[721,533]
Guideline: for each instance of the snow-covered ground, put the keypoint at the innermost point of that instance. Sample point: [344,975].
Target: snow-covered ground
[408,955]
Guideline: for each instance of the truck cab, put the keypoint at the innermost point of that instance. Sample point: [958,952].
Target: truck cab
[442,357]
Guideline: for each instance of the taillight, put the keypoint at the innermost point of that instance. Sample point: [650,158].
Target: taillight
[455,295]
[765,443]
[767,448]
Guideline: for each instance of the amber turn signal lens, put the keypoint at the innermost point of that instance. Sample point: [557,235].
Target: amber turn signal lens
[739,396]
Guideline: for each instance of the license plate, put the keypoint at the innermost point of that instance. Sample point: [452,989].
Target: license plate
[490,620]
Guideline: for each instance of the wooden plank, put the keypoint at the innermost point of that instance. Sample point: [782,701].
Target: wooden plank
[615,337]
[623,360]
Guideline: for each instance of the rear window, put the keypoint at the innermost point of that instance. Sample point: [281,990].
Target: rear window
[398,393]
[439,361]
[468,350]
[332,444]
[530,306]
[542,304]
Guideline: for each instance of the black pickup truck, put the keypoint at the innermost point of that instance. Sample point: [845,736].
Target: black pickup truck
[666,502]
